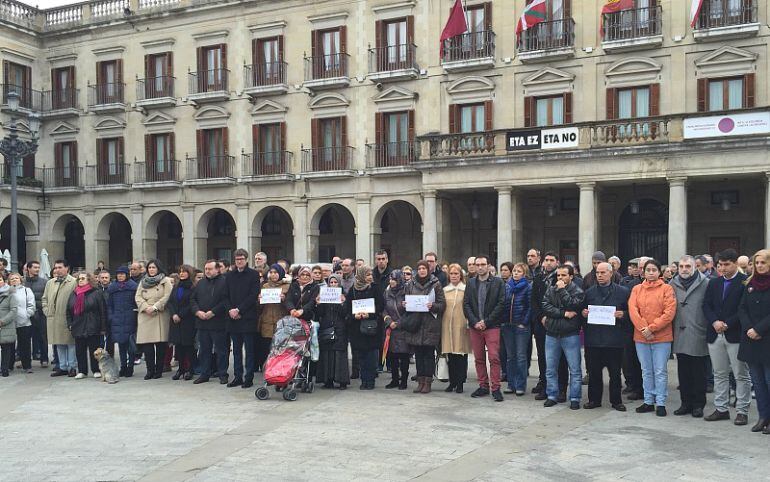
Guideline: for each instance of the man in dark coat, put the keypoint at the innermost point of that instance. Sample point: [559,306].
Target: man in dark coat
[484,307]
[243,286]
[209,303]
[590,279]
[121,315]
[435,269]
[720,306]
[632,369]
[604,343]
[36,282]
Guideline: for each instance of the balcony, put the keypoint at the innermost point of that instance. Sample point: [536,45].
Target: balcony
[60,103]
[29,99]
[60,179]
[640,28]
[208,85]
[393,63]
[391,155]
[327,71]
[469,51]
[727,19]
[155,92]
[23,183]
[156,175]
[459,145]
[107,177]
[210,170]
[327,161]
[265,79]
[548,41]
[107,97]
[266,166]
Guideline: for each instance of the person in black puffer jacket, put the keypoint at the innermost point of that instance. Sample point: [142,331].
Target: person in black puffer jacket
[181,332]
[333,360]
[561,305]
[121,313]
[87,321]
[365,329]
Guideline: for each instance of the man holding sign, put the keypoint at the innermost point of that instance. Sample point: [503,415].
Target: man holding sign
[605,315]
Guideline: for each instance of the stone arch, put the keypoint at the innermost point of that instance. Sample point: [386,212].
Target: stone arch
[272,230]
[215,235]
[163,236]
[68,240]
[471,88]
[332,232]
[397,228]
[113,240]
[26,228]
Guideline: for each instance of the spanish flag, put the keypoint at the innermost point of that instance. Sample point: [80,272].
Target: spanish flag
[614,6]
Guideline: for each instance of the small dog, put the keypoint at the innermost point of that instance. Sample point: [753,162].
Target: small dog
[107,366]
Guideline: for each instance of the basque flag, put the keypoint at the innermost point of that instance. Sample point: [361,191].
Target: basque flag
[695,7]
[533,14]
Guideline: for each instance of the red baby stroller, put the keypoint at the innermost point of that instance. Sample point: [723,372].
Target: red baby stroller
[287,365]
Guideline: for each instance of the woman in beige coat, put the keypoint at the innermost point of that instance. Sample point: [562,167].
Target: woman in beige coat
[153,320]
[455,340]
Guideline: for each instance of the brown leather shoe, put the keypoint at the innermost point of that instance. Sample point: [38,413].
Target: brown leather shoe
[426,386]
[741,419]
[760,425]
[420,385]
[717,415]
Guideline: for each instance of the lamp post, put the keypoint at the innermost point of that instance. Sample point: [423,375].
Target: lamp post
[15,150]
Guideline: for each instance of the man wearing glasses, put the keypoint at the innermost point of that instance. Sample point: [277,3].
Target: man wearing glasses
[243,311]
[436,270]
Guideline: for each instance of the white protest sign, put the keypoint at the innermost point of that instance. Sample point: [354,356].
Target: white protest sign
[417,303]
[270,296]
[601,315]
[329,295]
[363,306]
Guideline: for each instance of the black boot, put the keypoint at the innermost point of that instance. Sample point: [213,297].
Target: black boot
[394,377]
[178,373]
[150,369]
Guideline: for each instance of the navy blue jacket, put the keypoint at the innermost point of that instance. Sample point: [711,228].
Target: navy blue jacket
[715,308]
[605,336]
[121,310]
[518,312]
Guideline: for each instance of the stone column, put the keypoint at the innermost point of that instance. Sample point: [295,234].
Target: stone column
[504,225]
[300,232]
[429,220]
[188,235]
[677,218]
[242,228]
[137,235]
[363,230]
[95,248]
[586,223]
[517,228]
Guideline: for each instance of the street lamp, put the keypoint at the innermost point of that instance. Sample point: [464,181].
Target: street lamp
[15,150]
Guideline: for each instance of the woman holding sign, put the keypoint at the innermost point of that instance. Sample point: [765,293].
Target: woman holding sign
[398,349]
[425,303]
[303,291]
[332,337]
[362,307]
[271,312]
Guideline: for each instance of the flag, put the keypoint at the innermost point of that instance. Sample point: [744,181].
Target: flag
[455,25]
[695,7]
[614,6]
[533,14]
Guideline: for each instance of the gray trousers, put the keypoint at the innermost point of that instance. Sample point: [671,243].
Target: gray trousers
[724,357]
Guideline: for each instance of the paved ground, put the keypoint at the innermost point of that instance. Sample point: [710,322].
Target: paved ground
[160,430]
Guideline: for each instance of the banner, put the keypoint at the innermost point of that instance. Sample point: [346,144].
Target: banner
[531,139]
[727,125]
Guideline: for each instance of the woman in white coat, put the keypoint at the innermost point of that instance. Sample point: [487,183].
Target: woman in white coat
[153,320]
[25,308]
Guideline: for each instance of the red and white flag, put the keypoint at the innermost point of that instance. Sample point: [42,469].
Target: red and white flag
[695,7]
[614,6]
[533,14]
[455,25]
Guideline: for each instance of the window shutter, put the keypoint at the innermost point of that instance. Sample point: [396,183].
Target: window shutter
[201,61]
[99,73]
[343,39]
[379,129]
[654,100]
[6,71]
[57,161]
[378,34]
[121,153]
[280,48]
[410,126]
[27,79]
[255,139]
[344,129]
[703,92]
[567,9]
[488,115]
[119,71]
[410,29]
[256,56]
[170,64]
[453,120]
[748,91]
[315,136]
[314,43]
[54,82]
[283,138]
[568,107]
[74,154]
[224,56]
[529,108]
[612,108]
[149,152]
[488,16]
[225,142]
[149,67]
[99,151]
[200,146]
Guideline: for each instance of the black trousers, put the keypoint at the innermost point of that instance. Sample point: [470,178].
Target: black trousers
[458,368]
[262,351]
[84,351]
[425,360]
[40,335]
[218,343]
[597,359]
[692,380]
[563,368]
[24,346]
[6,356]
[154,353]
[399,366]
[632,369]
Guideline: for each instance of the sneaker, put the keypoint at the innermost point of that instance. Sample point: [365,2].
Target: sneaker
[29,370]
[549,403]
[574,405]
[497,396]
[80,376]
[520,393]
[97,375]
[480,392]
[660,411]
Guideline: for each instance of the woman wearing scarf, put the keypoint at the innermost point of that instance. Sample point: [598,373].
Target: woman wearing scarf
[398,349]
[455,338]
[152,327]
[121,315]
[515,331]
[754,315]
[181,332]
[364,329]
[272,312]
[302,294]
[333,361]
[87,320]
[7,325]
[25,308]
[427,337]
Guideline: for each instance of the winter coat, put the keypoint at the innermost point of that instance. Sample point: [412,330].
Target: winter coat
[754,312]
[273,312]
[37,285]
[455,335]
[298,298]
[393,310]
[153,328]
[558,301]
[7,316]
[724,308]
[653,305]
[182,333]
[606,336]
[358,340]
[381,282]
[589,280]
[493,311]
[93,320]
[518,297]
[329,315]
[540,285]
[690,324]
[55,298]
[25,305]
[121,310]
[243,293]
[210,294]
[429,333]
[441,276]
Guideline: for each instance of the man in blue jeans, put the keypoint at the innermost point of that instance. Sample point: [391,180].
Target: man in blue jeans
[561,305]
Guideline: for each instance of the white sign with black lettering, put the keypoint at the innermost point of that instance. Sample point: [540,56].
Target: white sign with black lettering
[565,138]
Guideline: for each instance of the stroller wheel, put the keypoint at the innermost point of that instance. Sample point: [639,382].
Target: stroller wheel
[262,393]
[290,395]
[310,387]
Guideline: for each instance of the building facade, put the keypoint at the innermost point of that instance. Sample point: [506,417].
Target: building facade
[182,129]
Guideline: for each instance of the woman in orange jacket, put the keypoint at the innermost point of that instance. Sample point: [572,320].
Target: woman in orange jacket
[652,307]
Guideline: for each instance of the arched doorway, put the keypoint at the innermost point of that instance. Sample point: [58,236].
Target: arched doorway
[5,239]
[336,233]
[643,230]
[113,241]
[168,244]
[221,235]
[277,233]
[400,226]
[74,243]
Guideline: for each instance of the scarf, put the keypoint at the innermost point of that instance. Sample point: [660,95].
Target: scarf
[183,286]
[337,277]
[760,282]
[299,272]
[398,276]
[152,281]
[516,285]
[687,282]
[361,273]
[80,299]
[278,269]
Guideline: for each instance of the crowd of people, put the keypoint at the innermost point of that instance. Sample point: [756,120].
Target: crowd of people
[714,318]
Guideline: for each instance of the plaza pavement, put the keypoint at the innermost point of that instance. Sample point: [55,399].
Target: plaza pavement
[62,429]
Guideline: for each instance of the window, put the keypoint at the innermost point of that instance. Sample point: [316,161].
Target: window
[110,160]
[269,143]
[548,111]
[329,143]
[469,119]
[267,56]
[395,136]
[725,94]
[479,19]
[212,68]
[65,163]
[472,118]
[158,69]
[109,82]
[17,78]
[328,47]
[63,83]
[634,103]
[212,145]
[159,152]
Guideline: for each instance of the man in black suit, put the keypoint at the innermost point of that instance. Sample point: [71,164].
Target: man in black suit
[720,305]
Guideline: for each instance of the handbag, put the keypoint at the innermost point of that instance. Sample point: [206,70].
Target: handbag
[368,327]
[326,335]
[410,322]
[442,369]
